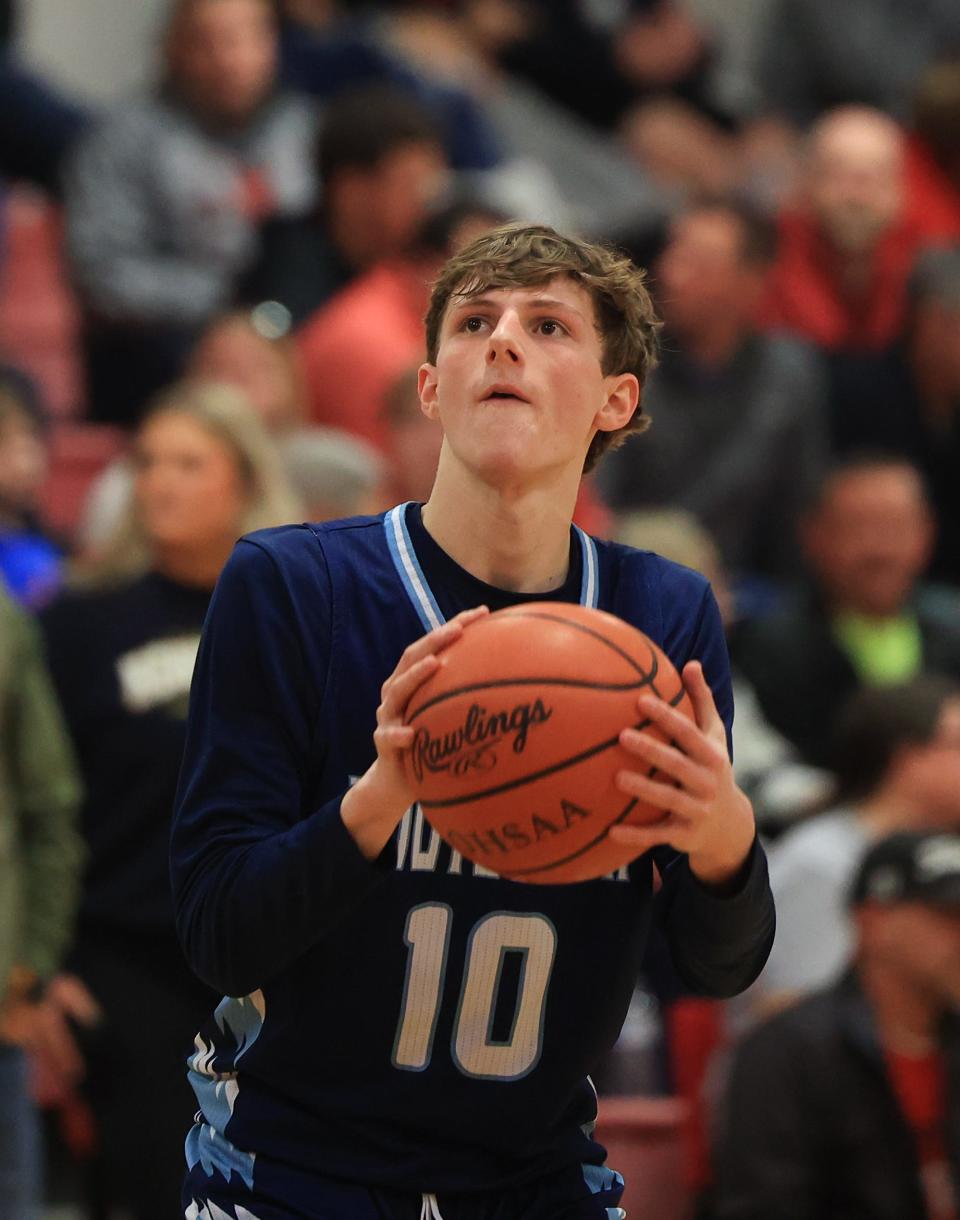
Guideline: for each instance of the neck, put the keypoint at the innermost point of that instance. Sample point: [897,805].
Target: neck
[197,567]
[907,1017]
[513,538]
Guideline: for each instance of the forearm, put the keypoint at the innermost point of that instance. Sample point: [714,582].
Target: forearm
[719,939]
[247,910]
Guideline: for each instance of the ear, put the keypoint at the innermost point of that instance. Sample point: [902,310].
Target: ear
[623,397]
[427,389]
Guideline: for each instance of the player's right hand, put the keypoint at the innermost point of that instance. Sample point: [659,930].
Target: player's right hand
[380,797]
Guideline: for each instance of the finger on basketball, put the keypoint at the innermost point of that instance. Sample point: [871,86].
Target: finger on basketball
[441,637]
[398,688]
[662,833]
[701,696]
[670,761]
[393,737]
[662,796]
[686,735]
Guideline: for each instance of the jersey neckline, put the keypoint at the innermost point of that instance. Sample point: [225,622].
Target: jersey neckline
[404,520]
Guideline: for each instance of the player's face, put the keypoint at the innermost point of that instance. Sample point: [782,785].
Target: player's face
[518,384]
[189,490]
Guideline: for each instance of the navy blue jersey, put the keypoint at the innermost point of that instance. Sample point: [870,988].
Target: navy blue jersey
[415,1021]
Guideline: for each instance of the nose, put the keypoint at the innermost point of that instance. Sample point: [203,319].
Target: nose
[505,345]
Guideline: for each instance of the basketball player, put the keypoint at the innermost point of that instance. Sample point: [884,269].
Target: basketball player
[408,1035]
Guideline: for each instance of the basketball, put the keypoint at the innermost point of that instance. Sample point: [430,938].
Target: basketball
[517,739]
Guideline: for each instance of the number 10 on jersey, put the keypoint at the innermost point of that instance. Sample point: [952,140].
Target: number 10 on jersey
[476,1052]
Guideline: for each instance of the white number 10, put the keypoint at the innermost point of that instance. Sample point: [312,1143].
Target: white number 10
[475,1051]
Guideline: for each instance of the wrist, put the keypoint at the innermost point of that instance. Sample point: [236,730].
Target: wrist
[721,875]
[371,813]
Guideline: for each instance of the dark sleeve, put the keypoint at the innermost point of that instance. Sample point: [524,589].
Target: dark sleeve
[769,1154]
[259,876]
[718,942]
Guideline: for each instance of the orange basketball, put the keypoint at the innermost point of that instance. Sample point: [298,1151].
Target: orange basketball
[517,739]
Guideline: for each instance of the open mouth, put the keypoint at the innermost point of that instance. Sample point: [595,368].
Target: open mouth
[504,395]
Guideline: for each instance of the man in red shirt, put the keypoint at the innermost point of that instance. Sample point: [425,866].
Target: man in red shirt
[846,249]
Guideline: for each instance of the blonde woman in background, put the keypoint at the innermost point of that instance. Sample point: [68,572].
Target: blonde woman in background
[121,647]
[251,351]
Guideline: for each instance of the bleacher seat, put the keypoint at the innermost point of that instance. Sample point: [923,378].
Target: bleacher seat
[644,1137]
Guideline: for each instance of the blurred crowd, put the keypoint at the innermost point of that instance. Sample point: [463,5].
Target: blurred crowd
[248,248]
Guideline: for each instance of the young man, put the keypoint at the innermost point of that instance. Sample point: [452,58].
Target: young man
[351,1077]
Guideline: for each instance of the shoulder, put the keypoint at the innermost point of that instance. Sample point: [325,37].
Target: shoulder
[661,597]
[647,570]
[303,554]
[125,127]
[82,603]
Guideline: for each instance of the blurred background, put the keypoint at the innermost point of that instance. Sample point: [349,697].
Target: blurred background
[219,222]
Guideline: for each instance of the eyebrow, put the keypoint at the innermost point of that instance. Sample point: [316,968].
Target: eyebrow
[533,302]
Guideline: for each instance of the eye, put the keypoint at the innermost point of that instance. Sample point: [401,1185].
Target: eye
[550,326]
[472,324]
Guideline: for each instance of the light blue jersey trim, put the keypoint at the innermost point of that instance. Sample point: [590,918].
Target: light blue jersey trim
[590,582]
[418,589]
[407,564]
[213,1151]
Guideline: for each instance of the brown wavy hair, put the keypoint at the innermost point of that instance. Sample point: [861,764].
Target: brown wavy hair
[521,255]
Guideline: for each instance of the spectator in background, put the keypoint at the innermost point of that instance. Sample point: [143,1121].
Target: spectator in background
[325,53]
[41,855]
[255,352]
[896,758]
[906,399]
[250,350]
[817,54]
[121,654]
[412,440]
[598,63]
[164,198]
[555,166]
[31,563]
[739,431]
[347,372]
[847,247]
[846,1104]
[333,473]
[933,146]
[864,618]
[381,167]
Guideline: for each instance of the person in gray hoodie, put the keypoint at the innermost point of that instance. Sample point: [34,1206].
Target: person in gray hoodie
[165,195]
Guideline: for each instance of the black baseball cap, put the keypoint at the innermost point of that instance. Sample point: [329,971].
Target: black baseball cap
[910,867]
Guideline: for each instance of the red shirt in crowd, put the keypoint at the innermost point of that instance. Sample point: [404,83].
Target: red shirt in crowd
[919,1083]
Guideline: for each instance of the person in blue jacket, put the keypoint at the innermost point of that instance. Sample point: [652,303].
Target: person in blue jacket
[367,1060]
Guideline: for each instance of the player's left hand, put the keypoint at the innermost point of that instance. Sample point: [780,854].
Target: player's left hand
[705,814]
